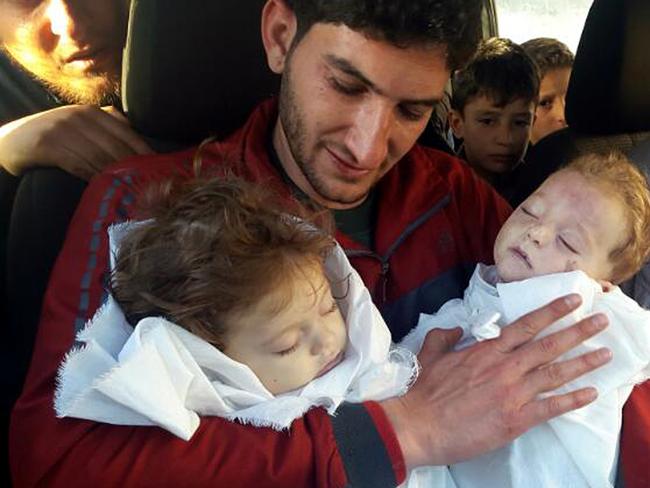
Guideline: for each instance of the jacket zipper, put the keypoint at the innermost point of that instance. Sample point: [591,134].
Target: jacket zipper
[384,261]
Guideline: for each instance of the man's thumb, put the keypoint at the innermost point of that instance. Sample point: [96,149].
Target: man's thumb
[440,341]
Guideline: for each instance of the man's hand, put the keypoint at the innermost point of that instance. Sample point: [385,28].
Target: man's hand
[80,139]
[468,402]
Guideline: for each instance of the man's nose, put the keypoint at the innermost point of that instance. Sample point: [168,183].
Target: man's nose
[57,15]
[368,138]
[558,113]
[63,17]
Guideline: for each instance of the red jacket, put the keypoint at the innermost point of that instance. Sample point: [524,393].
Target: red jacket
[435,221]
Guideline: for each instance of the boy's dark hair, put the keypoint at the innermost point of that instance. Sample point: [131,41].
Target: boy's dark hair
[500,70]
[456,24]
[548,54]
[212,249]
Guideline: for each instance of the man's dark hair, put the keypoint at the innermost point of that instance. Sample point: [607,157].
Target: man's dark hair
[500,70]
[455,24]
[548,54]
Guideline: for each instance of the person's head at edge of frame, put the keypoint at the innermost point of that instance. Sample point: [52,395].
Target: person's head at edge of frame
[222,259]
[74,47]
[359,81]
[493,107]
[592,215]
[555,62]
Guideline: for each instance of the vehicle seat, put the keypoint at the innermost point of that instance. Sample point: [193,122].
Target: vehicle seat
[193,69]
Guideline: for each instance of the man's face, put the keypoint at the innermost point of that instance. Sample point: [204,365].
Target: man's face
[494,137]
[73,46]
[350,108]
[550,110]
[567,224]
[287,350]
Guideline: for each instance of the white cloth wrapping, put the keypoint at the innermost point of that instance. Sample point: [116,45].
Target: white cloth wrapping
[160,374]
[577,449]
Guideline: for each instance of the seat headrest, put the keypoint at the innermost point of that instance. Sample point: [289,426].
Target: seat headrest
[609,91]
[194,68]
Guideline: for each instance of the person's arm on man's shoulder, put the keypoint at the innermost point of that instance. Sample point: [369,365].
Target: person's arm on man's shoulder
[79,139]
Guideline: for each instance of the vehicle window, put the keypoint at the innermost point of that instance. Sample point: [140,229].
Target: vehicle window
[521,20]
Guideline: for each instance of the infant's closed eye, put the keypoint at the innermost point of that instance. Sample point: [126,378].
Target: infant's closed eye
[288,350]
[528,212]
[568,245]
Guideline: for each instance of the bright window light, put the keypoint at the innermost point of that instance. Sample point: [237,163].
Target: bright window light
[521,20]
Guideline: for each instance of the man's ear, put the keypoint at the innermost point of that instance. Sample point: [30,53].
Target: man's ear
[279,26]
[456,123]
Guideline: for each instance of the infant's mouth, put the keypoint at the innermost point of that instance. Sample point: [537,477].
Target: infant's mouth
[517,251]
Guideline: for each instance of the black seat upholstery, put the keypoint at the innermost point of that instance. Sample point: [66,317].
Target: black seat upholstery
[194,68]
[608,101]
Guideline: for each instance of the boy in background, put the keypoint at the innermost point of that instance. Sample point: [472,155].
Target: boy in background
[492,109]
[554,61]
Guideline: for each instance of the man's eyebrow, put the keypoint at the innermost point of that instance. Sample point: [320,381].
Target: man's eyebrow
[347,68]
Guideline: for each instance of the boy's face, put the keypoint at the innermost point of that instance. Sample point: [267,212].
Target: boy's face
[567,224]
[304,340]
[494,138]
[550,110]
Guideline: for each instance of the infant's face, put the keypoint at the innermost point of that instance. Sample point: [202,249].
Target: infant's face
[567,224]
[288,349]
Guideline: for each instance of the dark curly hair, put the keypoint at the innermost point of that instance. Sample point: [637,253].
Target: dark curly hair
[212,249]
[500,70]
[455,24]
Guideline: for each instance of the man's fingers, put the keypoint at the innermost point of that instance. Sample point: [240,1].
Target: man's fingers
[86,148]
[557,374]
[546,349]
[528,326]
[539,411]
[118,125]
[107,148]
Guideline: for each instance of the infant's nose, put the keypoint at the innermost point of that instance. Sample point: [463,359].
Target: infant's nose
[538,234]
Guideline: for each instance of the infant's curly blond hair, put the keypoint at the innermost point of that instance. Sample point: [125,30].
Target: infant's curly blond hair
[621,179]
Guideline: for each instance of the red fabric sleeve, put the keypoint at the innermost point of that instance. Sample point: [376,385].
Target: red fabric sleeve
[635,438]
[387,434]
[71,452]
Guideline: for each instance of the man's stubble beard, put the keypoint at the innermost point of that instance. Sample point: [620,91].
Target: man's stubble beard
[292,120]
[74,88]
